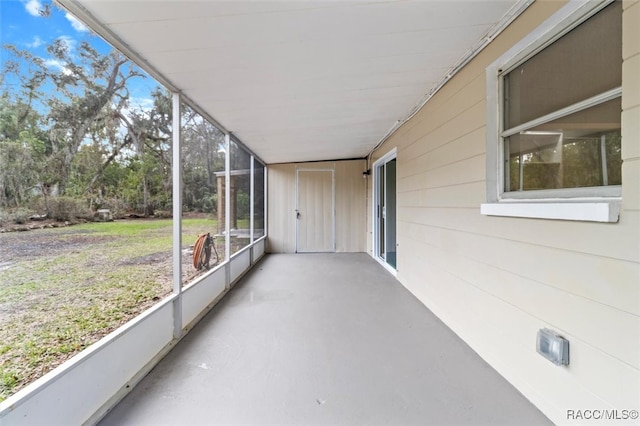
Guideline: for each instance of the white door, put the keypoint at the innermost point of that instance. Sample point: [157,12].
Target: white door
[315,211]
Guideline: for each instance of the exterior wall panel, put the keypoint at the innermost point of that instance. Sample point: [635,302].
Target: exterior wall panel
[203,292]
[630,39]
[631,126]
[280,209]
[82,389]
[350,199]
[350,206]
[240,263]
[497,280]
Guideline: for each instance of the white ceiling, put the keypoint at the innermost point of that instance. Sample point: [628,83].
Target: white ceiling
[298,80]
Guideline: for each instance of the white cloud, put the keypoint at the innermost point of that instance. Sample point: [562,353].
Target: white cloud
[69,42]
[53,63]
[56,64]
[77,25]
[37,42]
[144,104]
[33,7]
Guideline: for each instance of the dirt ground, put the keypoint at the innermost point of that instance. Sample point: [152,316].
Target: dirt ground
[64,288]
[16,246]
[34,240]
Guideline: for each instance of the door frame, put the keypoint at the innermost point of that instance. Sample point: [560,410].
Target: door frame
[333,208]
[391,155]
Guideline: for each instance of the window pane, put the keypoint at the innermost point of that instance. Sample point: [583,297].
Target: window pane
[203,161]
[258,200]
[613,155]
[585,62]
[579,150]
[240,197]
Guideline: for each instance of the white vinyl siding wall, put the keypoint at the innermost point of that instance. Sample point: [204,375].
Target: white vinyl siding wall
[497,280]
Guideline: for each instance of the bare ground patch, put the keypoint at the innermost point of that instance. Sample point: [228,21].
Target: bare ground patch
[63,289]
[36,244]
[149,259]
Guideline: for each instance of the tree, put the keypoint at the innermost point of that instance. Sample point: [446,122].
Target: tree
[18,107]
[70,130]
[20,148]
[90,94]
[202,157]
[89,87]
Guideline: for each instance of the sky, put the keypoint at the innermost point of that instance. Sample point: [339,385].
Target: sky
[22,25]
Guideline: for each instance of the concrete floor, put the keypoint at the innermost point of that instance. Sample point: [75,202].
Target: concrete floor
[322,339]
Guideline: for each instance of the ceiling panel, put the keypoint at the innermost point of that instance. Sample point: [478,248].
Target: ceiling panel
[299,80]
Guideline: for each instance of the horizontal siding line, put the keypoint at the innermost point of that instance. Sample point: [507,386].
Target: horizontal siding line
[445,100]
[522,276]
[519,241]
[449,142]
[628,5]
[472,78]
[628,58]
[442,186]
[537,318]
[441,166]
[443,124]
[440,96]
[632,107]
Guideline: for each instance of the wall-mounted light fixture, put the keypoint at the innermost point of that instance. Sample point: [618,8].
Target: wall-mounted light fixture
[366,173]
[553,347]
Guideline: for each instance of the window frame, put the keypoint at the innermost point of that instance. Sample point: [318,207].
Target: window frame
[602,203]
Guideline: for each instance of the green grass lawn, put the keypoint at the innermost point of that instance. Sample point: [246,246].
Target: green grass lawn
[66,288]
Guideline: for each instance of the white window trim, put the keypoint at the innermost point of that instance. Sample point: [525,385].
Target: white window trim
[582,204]
[592,211]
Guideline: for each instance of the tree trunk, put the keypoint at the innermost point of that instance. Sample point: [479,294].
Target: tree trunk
[145,197]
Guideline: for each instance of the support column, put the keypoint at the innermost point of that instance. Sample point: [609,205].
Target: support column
[227,197]
[177,219]
[251,199]
[265,205]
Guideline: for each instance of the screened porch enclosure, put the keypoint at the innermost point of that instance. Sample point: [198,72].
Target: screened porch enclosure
[375,130]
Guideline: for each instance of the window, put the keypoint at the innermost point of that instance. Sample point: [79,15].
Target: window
[258,199]
[558,131]
[240,202]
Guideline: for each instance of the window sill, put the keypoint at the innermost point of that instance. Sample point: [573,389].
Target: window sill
[589,211]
